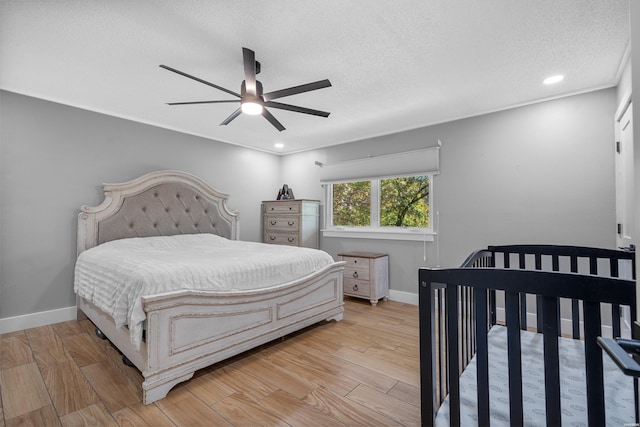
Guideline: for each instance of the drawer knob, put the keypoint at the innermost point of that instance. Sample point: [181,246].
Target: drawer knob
[355,261]
[272,237]
[291,239]
[290,222]
[355,274]
[355,288]
[273,222]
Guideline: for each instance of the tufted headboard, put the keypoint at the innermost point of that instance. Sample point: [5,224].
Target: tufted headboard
[160,203]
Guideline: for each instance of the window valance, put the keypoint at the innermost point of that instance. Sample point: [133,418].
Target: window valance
[409,163]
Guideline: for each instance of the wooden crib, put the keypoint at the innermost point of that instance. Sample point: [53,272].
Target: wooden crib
[555,291]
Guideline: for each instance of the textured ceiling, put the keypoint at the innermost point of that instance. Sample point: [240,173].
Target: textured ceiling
[394,65]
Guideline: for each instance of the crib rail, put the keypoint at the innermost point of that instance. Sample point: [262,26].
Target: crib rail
[478,283]
[575,259]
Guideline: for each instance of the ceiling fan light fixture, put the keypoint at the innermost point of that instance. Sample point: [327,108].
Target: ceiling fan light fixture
[251,108]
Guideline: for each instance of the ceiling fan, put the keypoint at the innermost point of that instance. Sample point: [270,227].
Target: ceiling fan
[251,97]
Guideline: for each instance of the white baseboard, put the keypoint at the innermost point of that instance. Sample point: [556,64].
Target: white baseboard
[405,297]
[27,321]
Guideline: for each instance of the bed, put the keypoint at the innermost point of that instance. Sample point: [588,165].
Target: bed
[511,337]
[189,327]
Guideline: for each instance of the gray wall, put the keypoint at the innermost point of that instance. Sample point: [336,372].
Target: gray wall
[543,173]
[54,158]
[537,174]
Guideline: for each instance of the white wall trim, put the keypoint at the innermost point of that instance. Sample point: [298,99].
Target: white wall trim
[405,297]
[33,320]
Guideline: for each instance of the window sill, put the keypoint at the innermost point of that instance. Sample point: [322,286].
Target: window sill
[411,235]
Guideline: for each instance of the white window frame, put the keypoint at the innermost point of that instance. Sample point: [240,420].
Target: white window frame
[421,234]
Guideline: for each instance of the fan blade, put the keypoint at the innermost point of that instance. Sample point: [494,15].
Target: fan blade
[231,117]
[296,109]
[267,115]
[200,80]
[202,102]
[249,58]
[321,84]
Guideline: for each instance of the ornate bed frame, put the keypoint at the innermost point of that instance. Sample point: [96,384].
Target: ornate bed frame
[190,330]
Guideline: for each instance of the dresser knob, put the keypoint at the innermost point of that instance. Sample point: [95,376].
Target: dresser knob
[291,222]
[355,287]
[291,239]
[355,274]
[272,237]
[273,222]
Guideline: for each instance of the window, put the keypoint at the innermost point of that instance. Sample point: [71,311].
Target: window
[381,197]
[396,207]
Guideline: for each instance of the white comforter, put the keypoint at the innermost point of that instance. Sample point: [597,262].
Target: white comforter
[115,275]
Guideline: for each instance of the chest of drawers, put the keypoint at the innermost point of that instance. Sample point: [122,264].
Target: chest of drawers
[291,222]
[366,275]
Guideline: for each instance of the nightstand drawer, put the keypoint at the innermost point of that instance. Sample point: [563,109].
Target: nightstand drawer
[356,287]
[356,262]
[282,239]
[355,273]
[281,223]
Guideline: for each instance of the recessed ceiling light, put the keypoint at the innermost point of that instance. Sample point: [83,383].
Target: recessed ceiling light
[553,79]
[278,145]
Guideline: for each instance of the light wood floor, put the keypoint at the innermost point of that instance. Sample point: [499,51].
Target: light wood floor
[363,370]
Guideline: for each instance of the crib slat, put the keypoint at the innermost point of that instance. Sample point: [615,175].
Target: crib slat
[482,357]
[427,319]
[551,360]
[538,313]
[615,319]
[593,364]
[444,345]
[575,318]
[514,356]
[453,355]
[523,311]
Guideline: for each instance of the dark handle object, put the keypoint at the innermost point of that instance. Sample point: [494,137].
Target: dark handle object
[274,222]
[291,222]
[291,239]
[617,349]
[355,288]
[272,237]
[355,274]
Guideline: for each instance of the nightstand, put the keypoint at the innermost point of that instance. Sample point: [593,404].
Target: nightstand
[366,275]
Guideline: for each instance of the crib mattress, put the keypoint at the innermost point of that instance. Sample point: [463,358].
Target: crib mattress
[619,402]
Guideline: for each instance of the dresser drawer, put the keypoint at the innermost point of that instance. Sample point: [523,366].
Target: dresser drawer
[282,207]
[356,287]
[282,239]
[355,273]
[281,223]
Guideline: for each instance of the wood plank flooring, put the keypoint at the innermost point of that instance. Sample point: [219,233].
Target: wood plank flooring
[363,370]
